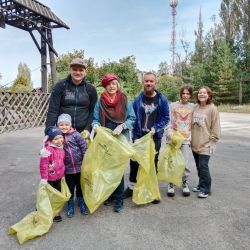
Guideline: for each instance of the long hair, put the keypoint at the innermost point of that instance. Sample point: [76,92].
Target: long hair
[189,88]
[209,93]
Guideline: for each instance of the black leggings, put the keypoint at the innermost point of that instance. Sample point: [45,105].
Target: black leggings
[56,184]
[73,181]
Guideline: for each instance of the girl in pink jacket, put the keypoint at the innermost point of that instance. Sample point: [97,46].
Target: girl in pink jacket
[52,166]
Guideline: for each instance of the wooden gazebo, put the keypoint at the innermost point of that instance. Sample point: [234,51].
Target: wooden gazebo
[31,15]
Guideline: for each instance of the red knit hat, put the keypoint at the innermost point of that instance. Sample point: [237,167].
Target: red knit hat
[107,78]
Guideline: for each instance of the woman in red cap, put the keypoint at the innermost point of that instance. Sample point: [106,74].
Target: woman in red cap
[114,111]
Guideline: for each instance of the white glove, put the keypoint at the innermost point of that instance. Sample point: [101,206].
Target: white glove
[44,152]
[118,129]
[212,147]
[86,133]
[93,131]
[43,182]
[152,130]
[95,127]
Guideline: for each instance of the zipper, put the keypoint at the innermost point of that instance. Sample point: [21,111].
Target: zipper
[76,98]
[70,153]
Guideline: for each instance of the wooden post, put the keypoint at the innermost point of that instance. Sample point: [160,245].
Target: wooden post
[52,58]
[44,63]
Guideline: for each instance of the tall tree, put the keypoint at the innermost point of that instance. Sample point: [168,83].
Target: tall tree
[226,85]
[22,83]
[163,69]
[230,18]
[169,86]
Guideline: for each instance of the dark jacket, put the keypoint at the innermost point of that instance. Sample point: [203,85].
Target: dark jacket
[75,148]
[162,116]
[76,100]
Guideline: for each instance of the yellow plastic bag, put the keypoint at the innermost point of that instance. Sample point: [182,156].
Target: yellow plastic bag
[171,162]
[49,203]
[146,189]
[103,166]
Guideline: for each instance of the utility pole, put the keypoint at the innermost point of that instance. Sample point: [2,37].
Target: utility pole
[173,5]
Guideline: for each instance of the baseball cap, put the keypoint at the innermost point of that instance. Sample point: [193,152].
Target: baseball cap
[78,62]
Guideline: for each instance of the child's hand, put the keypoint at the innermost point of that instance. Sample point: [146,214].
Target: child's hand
[44,152]
[43,182]
[85,133]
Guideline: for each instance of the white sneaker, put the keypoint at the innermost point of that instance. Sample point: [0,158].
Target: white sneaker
[170,192]
[196,189]
[185,189]
[202,195]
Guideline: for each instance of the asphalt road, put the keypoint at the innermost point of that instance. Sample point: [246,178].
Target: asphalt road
[222,221]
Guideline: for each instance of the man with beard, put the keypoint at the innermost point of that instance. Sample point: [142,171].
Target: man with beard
[152,114]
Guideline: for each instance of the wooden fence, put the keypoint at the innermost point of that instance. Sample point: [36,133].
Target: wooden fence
[22,110]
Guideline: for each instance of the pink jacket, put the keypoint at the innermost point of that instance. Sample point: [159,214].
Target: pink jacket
[52,167]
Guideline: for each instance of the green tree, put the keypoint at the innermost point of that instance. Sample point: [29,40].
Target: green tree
[63,63]
[22,83]
[169,86]
[226,86]
[127,72]
[163,69]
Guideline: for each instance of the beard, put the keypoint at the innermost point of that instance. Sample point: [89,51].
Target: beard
[149,91]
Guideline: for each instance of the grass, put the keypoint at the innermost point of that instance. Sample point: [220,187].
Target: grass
[234,108]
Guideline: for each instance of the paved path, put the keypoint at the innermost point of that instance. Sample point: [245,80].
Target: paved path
[222,221]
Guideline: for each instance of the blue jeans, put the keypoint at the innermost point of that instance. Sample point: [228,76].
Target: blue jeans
[201,162]
[118,193]
[134,165]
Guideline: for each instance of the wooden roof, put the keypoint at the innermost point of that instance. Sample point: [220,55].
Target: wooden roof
[29,14]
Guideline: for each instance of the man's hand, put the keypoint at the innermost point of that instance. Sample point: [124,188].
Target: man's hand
[152,130]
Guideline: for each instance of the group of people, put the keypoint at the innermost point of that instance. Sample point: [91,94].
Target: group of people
[74,108]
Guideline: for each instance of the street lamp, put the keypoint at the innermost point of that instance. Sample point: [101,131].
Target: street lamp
[173,5]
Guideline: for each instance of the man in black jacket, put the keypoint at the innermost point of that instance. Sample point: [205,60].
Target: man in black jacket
[74,96]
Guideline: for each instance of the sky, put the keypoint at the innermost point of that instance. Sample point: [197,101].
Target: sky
[108,30]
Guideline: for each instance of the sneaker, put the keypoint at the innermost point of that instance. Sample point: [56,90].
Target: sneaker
[202,195]
[196,189]
[170,192]
[185,189]
[128,193]
[58,218]
[118,207]
[108,202]
[70,208]
[82,206]
[156,201]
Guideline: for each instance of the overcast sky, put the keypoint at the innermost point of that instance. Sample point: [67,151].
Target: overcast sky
[109,29]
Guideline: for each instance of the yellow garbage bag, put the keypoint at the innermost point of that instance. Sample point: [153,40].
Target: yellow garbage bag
[49,203]
[146,189]
[103,166]
[171,162]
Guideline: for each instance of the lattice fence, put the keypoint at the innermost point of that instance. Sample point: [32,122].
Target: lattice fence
[22,110]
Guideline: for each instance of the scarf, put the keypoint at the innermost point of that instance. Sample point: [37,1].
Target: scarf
[115,111]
